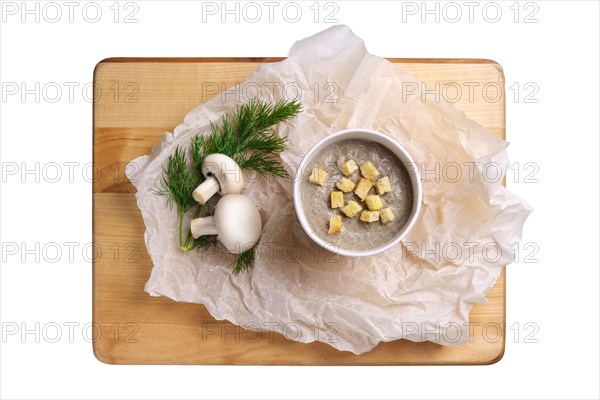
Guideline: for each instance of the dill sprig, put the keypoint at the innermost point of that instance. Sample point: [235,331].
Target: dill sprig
[179,181]
[244,262]
[204,242]
[248,138]
[177,184]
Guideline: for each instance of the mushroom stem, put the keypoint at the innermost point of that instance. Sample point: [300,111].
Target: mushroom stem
[203,226]
[206,190]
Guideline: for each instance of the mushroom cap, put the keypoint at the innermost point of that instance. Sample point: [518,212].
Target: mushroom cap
[226,171]
[238,222]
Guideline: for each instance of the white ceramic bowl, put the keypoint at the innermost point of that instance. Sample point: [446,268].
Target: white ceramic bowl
[397,150]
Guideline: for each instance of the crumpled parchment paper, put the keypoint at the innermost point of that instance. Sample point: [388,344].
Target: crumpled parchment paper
[465,233]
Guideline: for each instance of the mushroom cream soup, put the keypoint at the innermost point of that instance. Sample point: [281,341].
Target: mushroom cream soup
[323,176]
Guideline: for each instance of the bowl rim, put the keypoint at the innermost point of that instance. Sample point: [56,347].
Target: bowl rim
[392,145]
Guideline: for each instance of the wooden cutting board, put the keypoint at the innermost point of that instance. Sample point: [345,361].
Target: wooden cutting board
[136,101]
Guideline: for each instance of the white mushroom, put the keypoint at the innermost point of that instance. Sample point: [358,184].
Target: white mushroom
[236,221]
[222,174]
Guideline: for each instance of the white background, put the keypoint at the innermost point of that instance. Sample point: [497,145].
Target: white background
[559,294]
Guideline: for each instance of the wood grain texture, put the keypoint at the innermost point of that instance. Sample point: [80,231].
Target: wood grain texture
[136,101]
